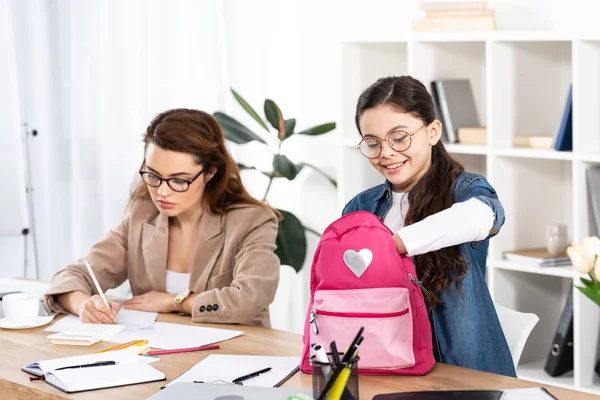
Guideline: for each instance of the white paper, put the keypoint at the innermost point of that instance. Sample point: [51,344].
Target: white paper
[175,336]
[21,285]
[135,320]
[525,394]
[102,377]
[132,319]
[220,367]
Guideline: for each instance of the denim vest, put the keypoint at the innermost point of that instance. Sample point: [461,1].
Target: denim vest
[466,330]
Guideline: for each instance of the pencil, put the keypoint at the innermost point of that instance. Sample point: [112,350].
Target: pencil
[123,345]
[158,352]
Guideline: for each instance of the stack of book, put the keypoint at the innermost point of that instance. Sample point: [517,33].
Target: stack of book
[455,16]
[537,257]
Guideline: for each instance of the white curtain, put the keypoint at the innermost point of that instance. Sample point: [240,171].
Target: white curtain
[92,74]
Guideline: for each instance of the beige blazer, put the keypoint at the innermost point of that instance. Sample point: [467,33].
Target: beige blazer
[235,269]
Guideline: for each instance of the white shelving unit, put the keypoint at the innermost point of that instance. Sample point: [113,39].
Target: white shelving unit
[520,82]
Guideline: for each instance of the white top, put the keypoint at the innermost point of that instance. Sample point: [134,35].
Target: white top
[177,282]
[464,222]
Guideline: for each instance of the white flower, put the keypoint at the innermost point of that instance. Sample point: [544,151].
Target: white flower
[583,261]
[592,246]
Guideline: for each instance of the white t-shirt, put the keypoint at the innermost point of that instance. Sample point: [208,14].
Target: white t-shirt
[177,282]
[464,222]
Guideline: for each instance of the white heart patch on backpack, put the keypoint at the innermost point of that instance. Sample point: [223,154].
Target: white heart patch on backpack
[358,261]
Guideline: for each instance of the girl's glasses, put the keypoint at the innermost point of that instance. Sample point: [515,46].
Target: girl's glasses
[371,147]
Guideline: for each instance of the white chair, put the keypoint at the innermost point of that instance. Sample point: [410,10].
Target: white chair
[517,327]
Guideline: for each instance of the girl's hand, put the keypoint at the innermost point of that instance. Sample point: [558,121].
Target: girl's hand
[399,244]
[94,311]
[152,301]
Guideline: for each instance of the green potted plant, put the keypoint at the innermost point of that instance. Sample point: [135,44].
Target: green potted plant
[291,236]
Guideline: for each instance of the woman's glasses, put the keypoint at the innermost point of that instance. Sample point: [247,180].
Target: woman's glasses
[176,184]
[371,147]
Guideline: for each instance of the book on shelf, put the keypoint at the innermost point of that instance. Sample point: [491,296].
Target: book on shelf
[536,142]
[472,135]
[433,5]
[560,356]
[456,106]
[457,16]
[564,134]
[462,24]
[537,257]
[592,175]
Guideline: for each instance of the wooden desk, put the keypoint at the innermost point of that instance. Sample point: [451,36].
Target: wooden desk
[19,348]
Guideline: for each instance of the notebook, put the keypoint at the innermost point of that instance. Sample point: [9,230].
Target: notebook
[207,391]
[85,334]
[127,370]
[508,394]
[223,368]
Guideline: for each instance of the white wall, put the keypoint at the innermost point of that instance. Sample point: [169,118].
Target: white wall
[283,50]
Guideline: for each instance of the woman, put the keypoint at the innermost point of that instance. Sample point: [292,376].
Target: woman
[192,241]
[441,216]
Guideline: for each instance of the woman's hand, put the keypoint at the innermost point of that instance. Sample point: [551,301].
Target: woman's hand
[152,301]
[94,311]
[399,244]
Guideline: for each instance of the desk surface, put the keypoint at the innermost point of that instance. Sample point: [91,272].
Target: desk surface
[19,348]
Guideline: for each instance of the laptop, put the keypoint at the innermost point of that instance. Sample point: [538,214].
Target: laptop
[208,391]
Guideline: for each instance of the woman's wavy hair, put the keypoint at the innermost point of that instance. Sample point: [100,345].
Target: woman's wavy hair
[435,190]
[199,134]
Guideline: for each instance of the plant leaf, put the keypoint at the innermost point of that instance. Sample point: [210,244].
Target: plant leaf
[591,293]
[242,167]
[319,129]
[587,282]
[290,125]
[249,109]
[235,131]
[284,167]
[302,165]
[291,241]
[272,112]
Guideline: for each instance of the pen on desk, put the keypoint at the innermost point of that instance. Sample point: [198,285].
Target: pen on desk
[98,288]
[158,352]
[251,375]
[96,364]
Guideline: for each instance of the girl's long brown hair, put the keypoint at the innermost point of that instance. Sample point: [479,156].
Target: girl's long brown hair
[435,191]
[199,134]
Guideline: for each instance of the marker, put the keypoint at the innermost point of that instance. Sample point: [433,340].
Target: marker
[321,357]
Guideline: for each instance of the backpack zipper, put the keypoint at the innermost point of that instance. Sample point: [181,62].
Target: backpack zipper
[418,282]
[313,321]
[362,314]
[314,313]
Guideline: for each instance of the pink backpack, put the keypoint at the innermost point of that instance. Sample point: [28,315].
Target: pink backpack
[359,279]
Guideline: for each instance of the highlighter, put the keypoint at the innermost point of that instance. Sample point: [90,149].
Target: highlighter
[335,393]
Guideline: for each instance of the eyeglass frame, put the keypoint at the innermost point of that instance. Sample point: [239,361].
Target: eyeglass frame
[189,182]
[409,134]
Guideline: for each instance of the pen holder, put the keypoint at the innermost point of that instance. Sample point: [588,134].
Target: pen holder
[319,380]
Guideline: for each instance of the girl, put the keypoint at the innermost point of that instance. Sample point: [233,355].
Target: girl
[442,216]
[192,241]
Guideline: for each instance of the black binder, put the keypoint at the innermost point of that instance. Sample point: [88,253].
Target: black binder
[560,357]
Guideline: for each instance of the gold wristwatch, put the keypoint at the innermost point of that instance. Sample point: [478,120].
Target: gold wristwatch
[181,297]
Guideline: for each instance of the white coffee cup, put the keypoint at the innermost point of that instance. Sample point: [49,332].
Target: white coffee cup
[21,308]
